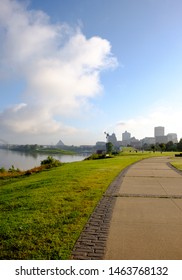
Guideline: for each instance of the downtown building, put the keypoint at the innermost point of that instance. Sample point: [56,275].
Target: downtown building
[160,137]
[126,138]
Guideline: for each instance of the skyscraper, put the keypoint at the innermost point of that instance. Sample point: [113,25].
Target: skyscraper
[126,136]
[159,135]
[158,131]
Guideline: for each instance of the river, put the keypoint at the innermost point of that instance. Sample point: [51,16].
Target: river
[25,161]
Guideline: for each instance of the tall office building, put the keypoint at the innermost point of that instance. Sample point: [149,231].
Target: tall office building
[126,136]
[158,131]
[159,135]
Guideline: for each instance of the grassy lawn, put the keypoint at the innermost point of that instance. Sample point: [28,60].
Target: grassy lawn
[43,214]
[177,163]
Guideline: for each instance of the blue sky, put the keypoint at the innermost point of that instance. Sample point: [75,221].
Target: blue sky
[71,70]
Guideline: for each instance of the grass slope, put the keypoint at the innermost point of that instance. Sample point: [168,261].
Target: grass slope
[42,215]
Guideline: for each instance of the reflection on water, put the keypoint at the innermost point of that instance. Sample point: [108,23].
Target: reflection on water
[26,161]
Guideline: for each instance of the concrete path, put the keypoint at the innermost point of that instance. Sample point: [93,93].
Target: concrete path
[147,218]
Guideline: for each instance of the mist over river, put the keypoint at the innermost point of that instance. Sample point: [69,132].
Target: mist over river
[25,161]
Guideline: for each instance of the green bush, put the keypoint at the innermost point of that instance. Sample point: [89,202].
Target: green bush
[98,156]
[51,162]
[12,169]
[2,170]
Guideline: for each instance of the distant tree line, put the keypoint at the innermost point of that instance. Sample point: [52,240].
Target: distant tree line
[44,148]
[26,148]
[168,147]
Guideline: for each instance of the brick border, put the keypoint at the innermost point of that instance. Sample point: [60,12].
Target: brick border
[92,241]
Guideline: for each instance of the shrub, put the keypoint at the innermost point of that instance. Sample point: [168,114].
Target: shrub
[2,170]
[12,169]
[51,162]
[98,156]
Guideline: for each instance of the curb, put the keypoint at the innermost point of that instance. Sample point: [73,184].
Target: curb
[92,241]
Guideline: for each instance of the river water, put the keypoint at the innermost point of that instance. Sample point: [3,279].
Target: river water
[25,161]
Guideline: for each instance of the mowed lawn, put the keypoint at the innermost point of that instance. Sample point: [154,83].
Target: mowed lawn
[177,163]
[43,214]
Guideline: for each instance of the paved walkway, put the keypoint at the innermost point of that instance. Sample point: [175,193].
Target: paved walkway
[138,218]
[147,217]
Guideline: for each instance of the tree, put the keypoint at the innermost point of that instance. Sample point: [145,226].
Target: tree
[153,147]
[162,147]
[170,146]
[109,148]
[179,145]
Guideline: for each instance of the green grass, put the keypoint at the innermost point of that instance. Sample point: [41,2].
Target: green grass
[43,214]
[177,163]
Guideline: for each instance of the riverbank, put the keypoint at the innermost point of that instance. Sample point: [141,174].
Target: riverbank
[42,215]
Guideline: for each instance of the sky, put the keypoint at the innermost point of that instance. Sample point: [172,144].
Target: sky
[74,69]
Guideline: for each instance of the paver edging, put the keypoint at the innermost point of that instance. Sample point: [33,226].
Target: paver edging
[92,241]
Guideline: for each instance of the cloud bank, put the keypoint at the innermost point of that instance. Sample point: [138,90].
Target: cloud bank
[143,126]
[60,66]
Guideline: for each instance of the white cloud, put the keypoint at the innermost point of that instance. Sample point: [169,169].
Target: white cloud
[60,66]
[143,126]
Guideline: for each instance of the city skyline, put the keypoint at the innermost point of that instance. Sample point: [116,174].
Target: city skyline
[157,131]
[127,138]
[118,136]
[71,69]
[125,135]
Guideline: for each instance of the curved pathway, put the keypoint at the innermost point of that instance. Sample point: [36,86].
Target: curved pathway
[147,217]
[139,217]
